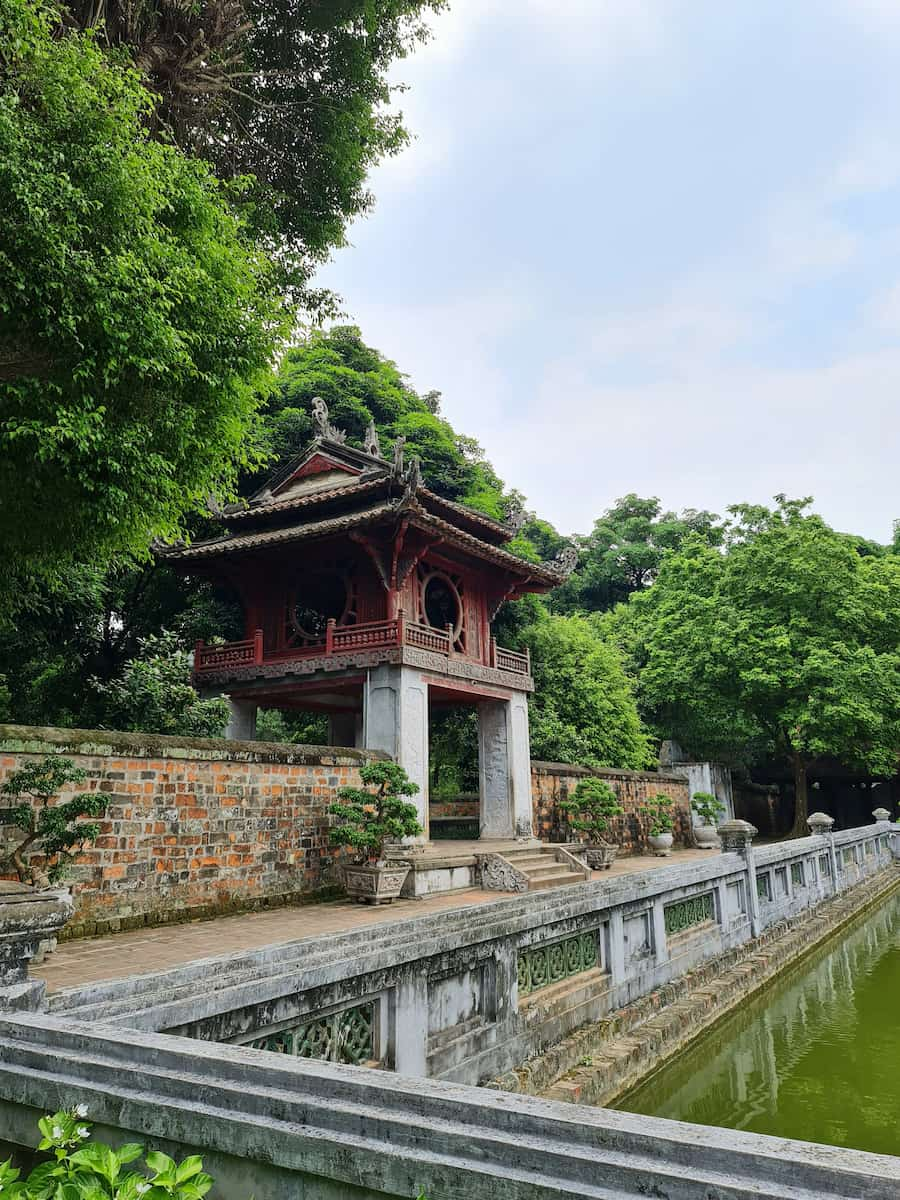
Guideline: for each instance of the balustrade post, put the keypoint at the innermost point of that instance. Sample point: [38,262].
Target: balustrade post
[449,639]
[737,838]
[257,646]
[493,651]
[401,627]
[198,653]
[821,825]
[329,635]
[528,661]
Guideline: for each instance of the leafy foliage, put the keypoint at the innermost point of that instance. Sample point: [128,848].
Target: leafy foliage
[583,709]
[657,809]
[83,1170]
[707,807]
[789,642]
[154,694]
[294,97]
[138,316]
[588,808]
[47,830]
[625,550]
[367,819]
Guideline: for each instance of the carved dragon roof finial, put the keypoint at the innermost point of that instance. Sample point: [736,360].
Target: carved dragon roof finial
[371,444]
[413,478]
[566,560]
[323,426]
[516,517]
[397,466]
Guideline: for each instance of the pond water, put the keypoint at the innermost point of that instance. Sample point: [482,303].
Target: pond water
[816,1056]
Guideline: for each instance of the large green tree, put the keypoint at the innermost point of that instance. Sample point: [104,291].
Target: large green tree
[623,552]
[295,97]
[138,317]
[788,644]
[583,709]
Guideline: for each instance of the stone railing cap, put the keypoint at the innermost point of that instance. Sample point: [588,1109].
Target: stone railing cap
[881,814]
[819,820]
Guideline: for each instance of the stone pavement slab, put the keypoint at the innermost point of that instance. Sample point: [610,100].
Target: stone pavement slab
[144,951]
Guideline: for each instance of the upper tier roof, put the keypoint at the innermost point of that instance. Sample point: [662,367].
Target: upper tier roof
[332,487]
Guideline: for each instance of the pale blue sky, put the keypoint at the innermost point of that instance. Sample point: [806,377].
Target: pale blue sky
[651,246]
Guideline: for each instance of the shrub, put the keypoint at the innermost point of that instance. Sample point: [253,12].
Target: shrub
[49,831]
[154,694]
[707,807]
[368,819]
[589,808]
[83,1170]
[658,813]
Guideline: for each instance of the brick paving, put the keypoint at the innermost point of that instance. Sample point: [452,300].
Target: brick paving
[143,951]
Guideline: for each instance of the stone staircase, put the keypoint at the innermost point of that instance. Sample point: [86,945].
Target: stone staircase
[531,867]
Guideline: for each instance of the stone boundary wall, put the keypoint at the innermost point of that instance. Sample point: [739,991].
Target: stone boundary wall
[193,826]
[551,782]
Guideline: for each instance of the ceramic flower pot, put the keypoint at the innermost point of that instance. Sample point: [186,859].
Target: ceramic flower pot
[706,837]
[375,883]
[661,844]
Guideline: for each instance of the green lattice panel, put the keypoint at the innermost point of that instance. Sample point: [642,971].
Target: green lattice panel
[797,874]
[543,965]
[762,887]
[684,914]
[346,1037]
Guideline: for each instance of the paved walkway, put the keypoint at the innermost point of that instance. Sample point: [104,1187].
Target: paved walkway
[143,951]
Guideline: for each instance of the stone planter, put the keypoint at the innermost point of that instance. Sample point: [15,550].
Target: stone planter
[661,844]
[28,919]
[706,837]
[375,883]
[599,856]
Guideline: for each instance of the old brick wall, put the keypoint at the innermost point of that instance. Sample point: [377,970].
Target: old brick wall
[551,782]
[193,827]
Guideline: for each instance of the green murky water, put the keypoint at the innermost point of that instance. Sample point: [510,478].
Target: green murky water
[816,1056]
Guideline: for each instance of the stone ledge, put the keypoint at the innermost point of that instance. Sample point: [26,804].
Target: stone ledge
[40,739]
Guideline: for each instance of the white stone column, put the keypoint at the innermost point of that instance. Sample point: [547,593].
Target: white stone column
[821,825]
[241,725]
[395,720]
[504,768]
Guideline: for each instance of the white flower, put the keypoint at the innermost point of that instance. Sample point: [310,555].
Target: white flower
[57,1132]
[141,1188]
[82,1131]
[81,1110]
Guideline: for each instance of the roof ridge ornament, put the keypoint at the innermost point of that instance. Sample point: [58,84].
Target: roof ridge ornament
[323,426]
[566,560]
[397,465]
[371,443]
[515,518]
[413,478]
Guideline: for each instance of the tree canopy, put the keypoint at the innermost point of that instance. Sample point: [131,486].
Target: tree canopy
[138,317]
[787,644]
[624,551]
[294,98]
[583,709]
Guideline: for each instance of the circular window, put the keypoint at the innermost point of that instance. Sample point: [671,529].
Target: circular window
[440,600]
[321,596]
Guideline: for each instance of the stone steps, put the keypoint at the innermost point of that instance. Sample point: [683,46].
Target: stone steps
[542,867]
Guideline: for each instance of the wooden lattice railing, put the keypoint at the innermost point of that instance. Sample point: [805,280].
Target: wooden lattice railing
[346,639]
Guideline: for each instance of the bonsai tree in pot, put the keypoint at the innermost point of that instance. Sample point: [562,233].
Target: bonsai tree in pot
[660,823]
[369,817]
[708,810]
[587,811]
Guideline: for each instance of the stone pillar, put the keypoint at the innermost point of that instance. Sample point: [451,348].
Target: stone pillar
[882,816]
[27,918]
[395,720]
[821,825]
[241,725]
[737,838]
[504,768]
[411,1025]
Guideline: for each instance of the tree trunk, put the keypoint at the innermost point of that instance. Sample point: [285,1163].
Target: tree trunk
[801,796]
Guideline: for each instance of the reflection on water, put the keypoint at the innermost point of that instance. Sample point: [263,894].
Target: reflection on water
[816,1056]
